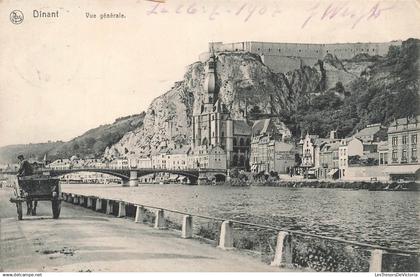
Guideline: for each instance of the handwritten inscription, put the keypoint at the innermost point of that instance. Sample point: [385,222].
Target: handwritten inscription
[344,10]
[244,10]
[338,11]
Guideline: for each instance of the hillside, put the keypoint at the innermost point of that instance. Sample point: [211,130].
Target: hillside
[339,94]
[388,88]
[90,144]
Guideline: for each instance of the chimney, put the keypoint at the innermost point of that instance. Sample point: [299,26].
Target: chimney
[333,134]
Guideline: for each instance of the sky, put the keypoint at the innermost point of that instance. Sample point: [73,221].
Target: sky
[61,76]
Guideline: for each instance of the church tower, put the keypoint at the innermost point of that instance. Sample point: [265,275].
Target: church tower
[210,84]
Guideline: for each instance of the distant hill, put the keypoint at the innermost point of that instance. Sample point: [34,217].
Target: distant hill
[91,144]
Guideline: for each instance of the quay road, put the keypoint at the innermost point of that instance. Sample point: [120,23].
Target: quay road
[84,240]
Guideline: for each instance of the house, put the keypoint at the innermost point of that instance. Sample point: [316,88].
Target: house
[403,162]
[177,158]
[349,147]
[311,147]
[268,151]
[120,163]
[213,157]
[60,164]
[329,160]
[140,162]
[383,152]
[159,159]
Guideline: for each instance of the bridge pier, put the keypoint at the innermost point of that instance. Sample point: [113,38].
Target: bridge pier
[134,180]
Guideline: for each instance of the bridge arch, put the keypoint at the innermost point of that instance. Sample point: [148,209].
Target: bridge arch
[124,176]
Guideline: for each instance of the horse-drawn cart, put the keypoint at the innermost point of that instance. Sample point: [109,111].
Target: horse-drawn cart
[32,189]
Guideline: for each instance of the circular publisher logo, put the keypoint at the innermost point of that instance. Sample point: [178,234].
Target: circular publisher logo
[16,17]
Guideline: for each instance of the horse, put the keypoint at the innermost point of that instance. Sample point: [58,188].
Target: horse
[31,207]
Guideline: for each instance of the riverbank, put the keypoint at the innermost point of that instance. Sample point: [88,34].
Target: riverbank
[374,217]
[302,251]
[355,185]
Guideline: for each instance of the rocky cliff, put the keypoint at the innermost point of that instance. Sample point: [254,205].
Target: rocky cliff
[246,85]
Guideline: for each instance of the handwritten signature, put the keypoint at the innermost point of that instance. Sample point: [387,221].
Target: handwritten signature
[322,11]
[343,10]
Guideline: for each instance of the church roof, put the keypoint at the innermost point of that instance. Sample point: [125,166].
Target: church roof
[260,126]
[240,127]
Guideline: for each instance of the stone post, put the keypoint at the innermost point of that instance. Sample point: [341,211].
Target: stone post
[160,222]
[75,199]
[81,200]
[134,181]
[89,202]
[140,214]
[98,205]
[109,207]
[226,235]
[121,209]
[187,227]
[283,255]
[375,263]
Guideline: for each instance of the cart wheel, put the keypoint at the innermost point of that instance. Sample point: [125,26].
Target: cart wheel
[56,208]
[19,210]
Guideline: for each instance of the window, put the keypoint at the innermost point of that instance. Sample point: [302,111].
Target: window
[414,154]
[394,141]
[413,139]
[404,155]
[394,156]
[404,139]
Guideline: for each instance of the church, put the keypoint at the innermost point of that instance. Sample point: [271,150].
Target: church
[218,141]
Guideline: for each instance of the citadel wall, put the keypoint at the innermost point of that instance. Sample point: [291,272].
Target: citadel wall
[283,57]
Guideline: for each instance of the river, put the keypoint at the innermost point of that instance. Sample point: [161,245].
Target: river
[377,217]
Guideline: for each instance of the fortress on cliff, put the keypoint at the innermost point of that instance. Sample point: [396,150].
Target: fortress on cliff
[284,57]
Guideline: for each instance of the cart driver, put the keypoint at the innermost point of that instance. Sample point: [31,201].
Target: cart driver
[25,168]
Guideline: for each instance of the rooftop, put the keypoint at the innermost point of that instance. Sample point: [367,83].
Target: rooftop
[240,127]
[370,130]
[405,120]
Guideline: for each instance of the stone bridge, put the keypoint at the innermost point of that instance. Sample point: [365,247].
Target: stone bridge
[130,176]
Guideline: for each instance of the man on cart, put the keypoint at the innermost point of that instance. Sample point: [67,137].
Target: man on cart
[25,169]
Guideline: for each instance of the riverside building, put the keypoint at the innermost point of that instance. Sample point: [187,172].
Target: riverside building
[269,151]
[403,163]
